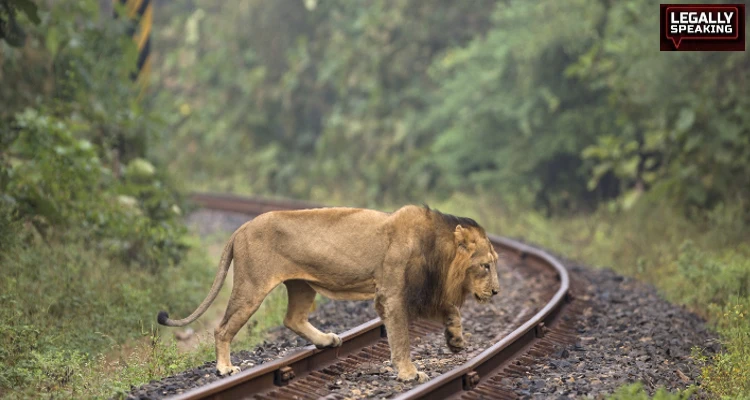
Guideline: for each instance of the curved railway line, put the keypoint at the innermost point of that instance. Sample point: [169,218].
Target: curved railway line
[307,373]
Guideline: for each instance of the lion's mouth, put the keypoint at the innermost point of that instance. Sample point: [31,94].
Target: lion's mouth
[481,299]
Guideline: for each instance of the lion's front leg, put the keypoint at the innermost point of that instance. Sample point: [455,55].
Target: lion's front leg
[395,317]
[301,297]
[454,337]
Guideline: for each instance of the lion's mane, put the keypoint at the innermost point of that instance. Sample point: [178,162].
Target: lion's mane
[437,281]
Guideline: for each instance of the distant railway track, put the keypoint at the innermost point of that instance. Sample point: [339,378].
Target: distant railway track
[304,374]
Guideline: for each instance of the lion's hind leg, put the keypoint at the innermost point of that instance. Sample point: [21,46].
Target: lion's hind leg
[301,297]
[243,302]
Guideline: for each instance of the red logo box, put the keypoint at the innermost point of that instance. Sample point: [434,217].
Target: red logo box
[702,27]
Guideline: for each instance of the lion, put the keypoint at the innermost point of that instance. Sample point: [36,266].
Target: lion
[415,263]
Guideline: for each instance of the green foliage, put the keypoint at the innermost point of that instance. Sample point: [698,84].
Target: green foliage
[9,227]
[91,235]
[636,391]
[74,129]
[385,101]
[505,114]
[318,112]
[711,278]
[56,181]
[10,29]
[46,166]
[19,341]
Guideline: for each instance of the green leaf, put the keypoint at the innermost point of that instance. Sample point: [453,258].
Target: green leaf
[52,40]
[629,168]
[630,198]
[685,120]
[631,146]
[11,32]
[29,8]
[649,177]
[692,143]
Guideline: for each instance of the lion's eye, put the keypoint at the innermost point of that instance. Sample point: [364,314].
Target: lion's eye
[486,266]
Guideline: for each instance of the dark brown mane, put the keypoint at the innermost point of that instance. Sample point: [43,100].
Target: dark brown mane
[450,221]
[432,285]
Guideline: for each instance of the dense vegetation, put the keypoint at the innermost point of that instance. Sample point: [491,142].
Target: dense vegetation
[576,133]
[90,230]
[387,101]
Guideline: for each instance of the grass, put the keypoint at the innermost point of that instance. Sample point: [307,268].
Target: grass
[727,375]
[63,306]
[636,391]
[74,324]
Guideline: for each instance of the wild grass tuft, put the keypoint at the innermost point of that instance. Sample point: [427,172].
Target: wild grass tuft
[636,391]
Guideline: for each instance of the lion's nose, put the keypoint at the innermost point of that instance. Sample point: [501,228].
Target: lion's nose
[494,292]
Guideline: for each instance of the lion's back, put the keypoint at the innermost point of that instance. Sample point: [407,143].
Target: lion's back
[324,238]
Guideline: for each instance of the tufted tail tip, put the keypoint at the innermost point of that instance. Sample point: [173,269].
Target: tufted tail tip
[162,318]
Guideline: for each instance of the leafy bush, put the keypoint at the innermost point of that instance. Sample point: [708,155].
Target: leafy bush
[10,29]
[56,181]
[91,236]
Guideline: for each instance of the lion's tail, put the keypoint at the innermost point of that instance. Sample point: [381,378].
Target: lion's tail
[221,274]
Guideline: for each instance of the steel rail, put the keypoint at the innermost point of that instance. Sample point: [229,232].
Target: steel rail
[272,374]
[277,373]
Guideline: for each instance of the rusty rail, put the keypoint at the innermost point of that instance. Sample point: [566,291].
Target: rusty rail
[458,381]
[278,372]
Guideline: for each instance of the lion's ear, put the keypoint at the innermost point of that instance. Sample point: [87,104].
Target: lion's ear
[460,236]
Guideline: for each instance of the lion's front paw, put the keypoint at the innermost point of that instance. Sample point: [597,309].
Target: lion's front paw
[455,343]
[334,341]
[419,376]
[227,370]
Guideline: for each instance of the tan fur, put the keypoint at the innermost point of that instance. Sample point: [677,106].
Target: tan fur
[415,263]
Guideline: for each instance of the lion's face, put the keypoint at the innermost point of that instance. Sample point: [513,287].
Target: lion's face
[481,279]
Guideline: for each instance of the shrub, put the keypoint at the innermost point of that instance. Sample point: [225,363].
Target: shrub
[711,279]
[54,181]
[64,304]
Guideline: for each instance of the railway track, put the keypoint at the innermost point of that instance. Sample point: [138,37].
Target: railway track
[309,372]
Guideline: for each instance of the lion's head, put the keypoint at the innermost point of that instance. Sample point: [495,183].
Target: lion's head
[475,264]
[458,263]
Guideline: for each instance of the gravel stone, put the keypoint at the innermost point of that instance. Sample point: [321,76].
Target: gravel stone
[628,333]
